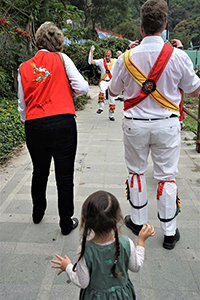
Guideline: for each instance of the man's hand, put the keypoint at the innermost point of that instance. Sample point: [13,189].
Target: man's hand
[92,48]
[176,43]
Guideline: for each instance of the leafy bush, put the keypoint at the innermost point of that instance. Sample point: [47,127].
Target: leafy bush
[5,84]
[79,54]
[80,101]
[11,128]
[190,123]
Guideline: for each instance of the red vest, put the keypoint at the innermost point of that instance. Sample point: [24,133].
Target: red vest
[46,87]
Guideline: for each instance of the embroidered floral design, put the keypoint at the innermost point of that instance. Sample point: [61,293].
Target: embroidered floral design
[149,86]
[43,73]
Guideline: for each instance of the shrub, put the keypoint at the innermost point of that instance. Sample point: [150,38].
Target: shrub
[190,123]
[11,128]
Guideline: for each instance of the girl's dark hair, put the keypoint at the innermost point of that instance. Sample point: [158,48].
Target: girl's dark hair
[100,213]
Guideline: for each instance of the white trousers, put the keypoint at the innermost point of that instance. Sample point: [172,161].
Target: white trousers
[162,138]
[103,87]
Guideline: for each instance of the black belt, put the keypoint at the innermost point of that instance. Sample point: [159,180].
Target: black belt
[106,80]
[154,119]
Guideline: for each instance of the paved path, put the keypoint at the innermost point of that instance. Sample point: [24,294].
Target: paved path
[27,249]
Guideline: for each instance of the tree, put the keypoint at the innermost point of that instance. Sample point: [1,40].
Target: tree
[95,11]
[176,15]
[24,17]
[127,29]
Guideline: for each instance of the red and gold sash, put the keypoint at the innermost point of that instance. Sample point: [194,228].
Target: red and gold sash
[107,70]
[148,83]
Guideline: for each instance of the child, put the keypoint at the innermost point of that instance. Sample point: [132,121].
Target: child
[101,270]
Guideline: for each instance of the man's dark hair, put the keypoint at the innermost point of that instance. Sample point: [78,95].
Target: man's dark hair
[154,16]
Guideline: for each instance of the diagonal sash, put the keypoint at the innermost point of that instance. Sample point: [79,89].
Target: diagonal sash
[148,83]
[107,70]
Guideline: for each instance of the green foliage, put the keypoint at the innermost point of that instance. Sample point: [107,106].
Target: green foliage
[5,84]
[11,128]
[184,21]
[80,101]
[190,123]
[127,30]
[79,54]
[103,12]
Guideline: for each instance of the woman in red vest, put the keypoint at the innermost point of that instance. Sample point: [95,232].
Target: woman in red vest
[45,84]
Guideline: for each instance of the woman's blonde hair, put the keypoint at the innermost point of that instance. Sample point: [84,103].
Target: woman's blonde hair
[49,37]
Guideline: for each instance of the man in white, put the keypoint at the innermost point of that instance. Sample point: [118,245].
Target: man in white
[106,65]
[150,126]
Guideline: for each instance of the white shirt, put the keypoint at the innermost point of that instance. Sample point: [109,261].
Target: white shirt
[177,73]
[81,277]
[77,82]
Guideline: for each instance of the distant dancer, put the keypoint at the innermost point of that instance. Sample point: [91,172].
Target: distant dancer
[101,270]
[106,65]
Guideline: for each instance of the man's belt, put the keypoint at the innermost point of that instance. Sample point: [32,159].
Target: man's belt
[153,119]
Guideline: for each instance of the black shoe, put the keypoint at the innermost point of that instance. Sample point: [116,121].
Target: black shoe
[99,111]
[37,216]
[135,228]
[112,118]
[74,225]
[170,241]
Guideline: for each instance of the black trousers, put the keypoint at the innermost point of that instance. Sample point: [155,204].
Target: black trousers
[56,137]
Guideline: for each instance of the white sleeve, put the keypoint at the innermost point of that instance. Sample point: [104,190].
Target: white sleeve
[116,84]
[81,277]
[189,81]
[21,102]
[136,257]
[77,82]
[89,58]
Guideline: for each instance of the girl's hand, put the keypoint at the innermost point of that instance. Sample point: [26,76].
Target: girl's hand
[146,231]
[92,48]
[62,264]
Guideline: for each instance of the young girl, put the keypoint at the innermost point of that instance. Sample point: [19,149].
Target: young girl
[101,270]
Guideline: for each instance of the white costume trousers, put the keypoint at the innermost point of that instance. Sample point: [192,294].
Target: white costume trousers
[103,87]
[162,138]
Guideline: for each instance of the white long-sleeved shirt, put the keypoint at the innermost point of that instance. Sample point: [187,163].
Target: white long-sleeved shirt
[77,82]
[178,72]
[81,277]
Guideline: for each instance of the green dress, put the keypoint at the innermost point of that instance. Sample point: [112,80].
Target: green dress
[103,285]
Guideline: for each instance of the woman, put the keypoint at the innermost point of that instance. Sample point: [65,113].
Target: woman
[45,84]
